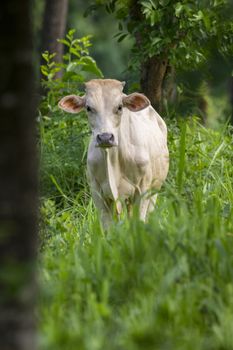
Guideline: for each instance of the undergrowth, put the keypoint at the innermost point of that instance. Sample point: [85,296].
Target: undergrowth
[166,284]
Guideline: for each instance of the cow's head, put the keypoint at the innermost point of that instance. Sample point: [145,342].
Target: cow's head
[104,102]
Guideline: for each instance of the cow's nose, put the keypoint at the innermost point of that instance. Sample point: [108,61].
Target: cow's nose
[105,139]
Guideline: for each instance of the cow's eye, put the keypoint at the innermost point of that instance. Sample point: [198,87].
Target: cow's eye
[120,107]
[88,108]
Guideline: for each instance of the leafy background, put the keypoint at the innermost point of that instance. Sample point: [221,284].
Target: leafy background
[166,284]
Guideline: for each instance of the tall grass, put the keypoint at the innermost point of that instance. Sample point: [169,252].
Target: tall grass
[166,284]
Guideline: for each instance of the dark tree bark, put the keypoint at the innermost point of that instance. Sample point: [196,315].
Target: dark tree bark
[54,26]
[153,73]
[153,70]
[18,178]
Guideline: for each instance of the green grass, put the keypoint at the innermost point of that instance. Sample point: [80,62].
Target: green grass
[166,284]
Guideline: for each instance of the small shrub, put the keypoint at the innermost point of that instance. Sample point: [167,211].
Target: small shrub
[64,137]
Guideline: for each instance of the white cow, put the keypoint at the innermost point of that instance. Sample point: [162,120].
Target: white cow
[128,154]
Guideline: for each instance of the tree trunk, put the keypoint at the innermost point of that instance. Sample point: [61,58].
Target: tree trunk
[153,73]
[153,70]
[18,178]
[54,26]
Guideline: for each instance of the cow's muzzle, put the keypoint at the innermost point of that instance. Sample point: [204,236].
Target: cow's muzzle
[105,140]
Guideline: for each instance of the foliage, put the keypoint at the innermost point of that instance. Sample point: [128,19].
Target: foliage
[63,147]
[182,31]
[166,284]
[112,57]
[77,67]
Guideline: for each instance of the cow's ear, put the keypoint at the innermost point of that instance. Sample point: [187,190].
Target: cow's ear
[72,103]
[135,102]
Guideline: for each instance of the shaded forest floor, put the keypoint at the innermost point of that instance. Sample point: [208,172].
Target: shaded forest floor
[166,284]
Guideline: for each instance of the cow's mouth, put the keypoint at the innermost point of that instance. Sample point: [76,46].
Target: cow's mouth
[105,140]
[106,144]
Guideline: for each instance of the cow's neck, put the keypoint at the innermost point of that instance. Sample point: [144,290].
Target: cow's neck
[111,158]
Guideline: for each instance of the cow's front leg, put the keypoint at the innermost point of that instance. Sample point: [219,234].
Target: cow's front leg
[147,205]
[142,202]
[107,208]
[104,207]
[110,211]
[142,199]
[143,208]
[152,203]
[106,217]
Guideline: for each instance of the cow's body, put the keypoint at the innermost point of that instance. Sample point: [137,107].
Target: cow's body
[138,160]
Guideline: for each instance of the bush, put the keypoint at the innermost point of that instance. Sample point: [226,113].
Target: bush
[64,137]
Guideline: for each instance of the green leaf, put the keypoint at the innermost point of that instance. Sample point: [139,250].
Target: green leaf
[74,52]
[178,9]
[71,66]
[72,76]
[156,41]
[122,37]
[71,32]
[112,5]
[89,10]
[207,22]
[44,70]
[147,5]
[89,65]
[155,17]
[63,41]
[66,57]
[120,26]
[197,17]
[45,56]
[164,2]
[52,55]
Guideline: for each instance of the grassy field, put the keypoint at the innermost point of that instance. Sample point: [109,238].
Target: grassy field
[166,284]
